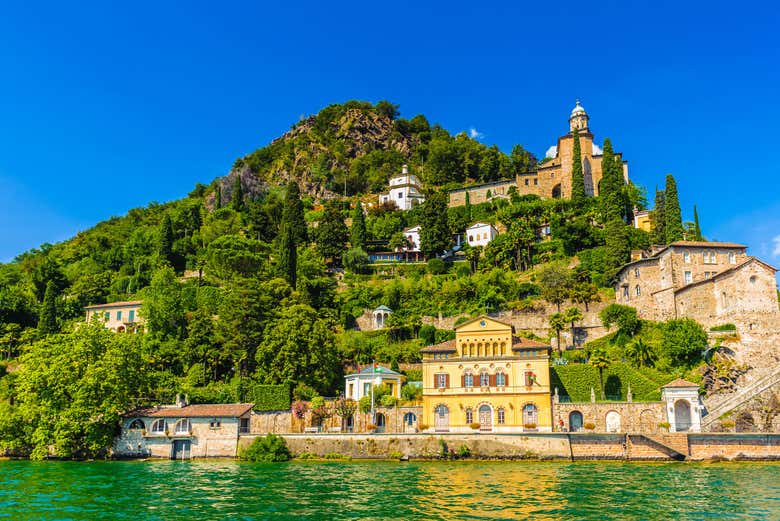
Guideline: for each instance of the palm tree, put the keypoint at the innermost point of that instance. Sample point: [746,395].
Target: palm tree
[571,316]
[557,323]
[641,353]
[599,360]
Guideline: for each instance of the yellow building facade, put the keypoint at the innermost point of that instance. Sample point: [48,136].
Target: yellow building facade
[486,376]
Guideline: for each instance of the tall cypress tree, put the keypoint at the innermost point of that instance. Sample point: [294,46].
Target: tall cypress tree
[292,213]
[618,247]
[47,323]
[578,196]
[165,245]
[609,189]
[358,236]
[435,235]
[674,226]
[287,265]
[658,217]
[696,226]
[238,195]
[218,197]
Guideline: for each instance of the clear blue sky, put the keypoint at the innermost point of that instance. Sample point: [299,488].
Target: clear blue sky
[108,107]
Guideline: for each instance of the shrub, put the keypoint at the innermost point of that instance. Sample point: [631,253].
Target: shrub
[436,266]
[266,448]
[463,271]
[394,455]
[370,427]
[411,393]
[422,426]
[388,401]
[529,425]
[427,334]
[299,409]
[413,375]
[683,342]
[728,424]
[304,392]
[624,317]
[724,327]
[464,451]
[475,425]
[588,426]
[306,455]
[356,260]
[444,451]
[664,425]
[335,455]
[364,404]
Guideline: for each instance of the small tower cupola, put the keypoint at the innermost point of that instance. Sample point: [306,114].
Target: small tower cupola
[578,119]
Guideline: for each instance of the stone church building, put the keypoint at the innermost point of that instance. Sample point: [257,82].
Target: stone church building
[711,282]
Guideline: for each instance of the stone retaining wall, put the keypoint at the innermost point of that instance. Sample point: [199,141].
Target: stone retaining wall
[560,446]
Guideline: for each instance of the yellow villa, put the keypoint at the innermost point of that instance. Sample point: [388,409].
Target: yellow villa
[487,376]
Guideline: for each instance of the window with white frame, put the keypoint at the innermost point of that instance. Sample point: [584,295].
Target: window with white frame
[441,381]
[182,427]
[468,380]
[687,257]
[158,427]
[500,379]
[484,379]
[501,416]
[732,257]
[469,416]
[638,291]
[688,277]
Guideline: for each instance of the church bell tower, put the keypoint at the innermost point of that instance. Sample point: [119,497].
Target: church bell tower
[578,119]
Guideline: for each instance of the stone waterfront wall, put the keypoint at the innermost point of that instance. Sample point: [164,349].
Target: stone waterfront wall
[561,446]
[634,416]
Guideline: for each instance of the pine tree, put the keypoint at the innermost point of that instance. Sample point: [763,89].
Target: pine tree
[696,226]
[578,196]
[238,195]
[165,245]
[287,265]
[47,323]
[292,213]
[357,234]
[332,233]
[658,217]
[618,247]
[674,226]
[218,197]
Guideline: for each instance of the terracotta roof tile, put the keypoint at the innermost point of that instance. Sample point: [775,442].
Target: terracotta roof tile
[443,347]
[708,244]
[116,304]
[519,342]
[224,410]
[679,382]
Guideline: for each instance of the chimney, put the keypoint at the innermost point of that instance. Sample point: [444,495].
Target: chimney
[181,400]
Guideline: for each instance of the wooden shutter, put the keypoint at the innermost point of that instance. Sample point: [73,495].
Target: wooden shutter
[492,380]
[447,380]
[506,379]
[435,381]
[463,380]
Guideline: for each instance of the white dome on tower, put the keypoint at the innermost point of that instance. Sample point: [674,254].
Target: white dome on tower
[578,109]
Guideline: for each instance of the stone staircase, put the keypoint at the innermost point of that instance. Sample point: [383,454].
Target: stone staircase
[676,444]
[716,409]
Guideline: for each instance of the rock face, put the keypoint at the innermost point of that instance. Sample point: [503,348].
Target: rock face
[314,149]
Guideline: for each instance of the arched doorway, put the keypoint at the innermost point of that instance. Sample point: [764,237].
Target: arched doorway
[485,418]
[410,421]
[556,191]
[441,418]
[682,415]
[647,421]
[575,421]
[530,416]
[612,421]
[350,424]
[380,422]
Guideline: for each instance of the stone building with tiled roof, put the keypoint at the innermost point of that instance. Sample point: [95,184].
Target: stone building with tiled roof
[184,431]
[486,378]
[711,282]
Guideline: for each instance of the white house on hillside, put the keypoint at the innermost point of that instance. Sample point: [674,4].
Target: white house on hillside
[413,236]
[358,385]
[480,234]
[405,191]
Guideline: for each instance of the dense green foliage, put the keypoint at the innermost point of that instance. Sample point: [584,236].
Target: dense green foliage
[673,215]
[578,196]
[268,448]
[270,397]
[577,380]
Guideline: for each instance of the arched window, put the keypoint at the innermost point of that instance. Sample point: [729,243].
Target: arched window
[502,348]
[158,427]
[500,415]
[469,416]
[484,379]
[136,425]
[182,427]
[638,291]
[530,414]
[479,349]
[468,380]
[500,379]
[410,419]
[495,348]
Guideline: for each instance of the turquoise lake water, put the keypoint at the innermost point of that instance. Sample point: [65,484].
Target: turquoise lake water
[224,489]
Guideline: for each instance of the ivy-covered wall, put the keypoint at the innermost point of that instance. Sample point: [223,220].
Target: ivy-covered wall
[576,381]
[271,397]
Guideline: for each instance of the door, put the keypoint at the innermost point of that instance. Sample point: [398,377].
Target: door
[441,421]
[485,418]
[575,421]
[181,449]
[682,416]
[380,422]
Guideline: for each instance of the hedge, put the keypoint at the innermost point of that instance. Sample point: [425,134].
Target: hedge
[271,397]
[576,381]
